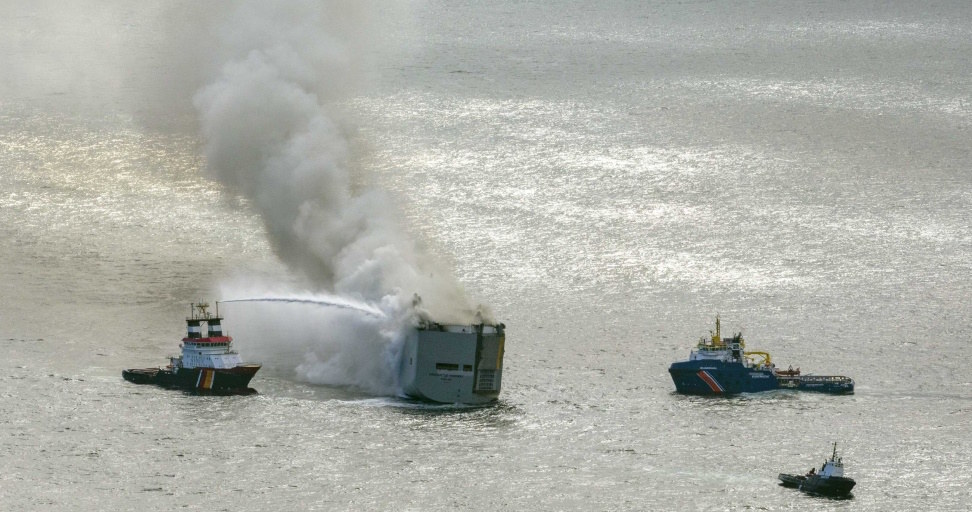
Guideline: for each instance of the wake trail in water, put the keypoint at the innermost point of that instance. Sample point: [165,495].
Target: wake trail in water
[320,302]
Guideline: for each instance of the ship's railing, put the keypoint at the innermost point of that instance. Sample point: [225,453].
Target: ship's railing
[711,348]
[709,353]
[428,325]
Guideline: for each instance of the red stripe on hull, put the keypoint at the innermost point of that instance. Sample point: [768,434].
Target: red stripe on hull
[708,379]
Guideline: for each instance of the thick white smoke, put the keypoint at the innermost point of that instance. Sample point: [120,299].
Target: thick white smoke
[270,135]
[320,338]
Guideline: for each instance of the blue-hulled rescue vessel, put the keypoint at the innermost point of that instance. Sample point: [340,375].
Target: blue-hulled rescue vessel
[720,366]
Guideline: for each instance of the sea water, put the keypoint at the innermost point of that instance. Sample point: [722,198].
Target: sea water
[606,176]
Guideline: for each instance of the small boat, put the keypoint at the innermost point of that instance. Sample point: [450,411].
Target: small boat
[207,364]
[723,366]
[829,481]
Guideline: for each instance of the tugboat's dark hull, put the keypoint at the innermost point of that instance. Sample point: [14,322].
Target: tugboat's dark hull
[791,481]
[225,380]
[833,486]
[714,377]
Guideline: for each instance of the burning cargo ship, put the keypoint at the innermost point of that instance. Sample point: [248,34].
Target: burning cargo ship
[452,363]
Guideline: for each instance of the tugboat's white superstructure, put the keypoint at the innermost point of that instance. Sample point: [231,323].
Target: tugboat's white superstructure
[213,351]
[454,363]
[833,466]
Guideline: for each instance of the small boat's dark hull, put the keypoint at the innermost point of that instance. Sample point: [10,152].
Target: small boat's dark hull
[223,380]
[834,486]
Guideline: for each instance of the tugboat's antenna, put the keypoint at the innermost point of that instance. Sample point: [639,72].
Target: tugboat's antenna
[834,456]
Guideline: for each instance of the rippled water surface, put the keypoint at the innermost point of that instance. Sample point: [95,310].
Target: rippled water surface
[606,176]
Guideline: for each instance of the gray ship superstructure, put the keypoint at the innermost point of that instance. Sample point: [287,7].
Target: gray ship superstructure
[453,363]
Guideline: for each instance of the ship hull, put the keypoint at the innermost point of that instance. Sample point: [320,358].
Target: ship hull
[225,380]
[714,378]
[708,377]
[834,486]
[791,481]
[453,364]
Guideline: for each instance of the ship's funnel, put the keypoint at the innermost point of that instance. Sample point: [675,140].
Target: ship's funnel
[193,329]
[215,328]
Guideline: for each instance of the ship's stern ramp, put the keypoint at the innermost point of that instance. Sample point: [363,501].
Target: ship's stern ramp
[454,363]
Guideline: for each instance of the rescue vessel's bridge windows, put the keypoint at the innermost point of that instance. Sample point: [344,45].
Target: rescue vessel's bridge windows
[467,367]
[448,367]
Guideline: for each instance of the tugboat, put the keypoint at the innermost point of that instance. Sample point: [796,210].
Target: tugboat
[207,364]
[720,366]
[830,481]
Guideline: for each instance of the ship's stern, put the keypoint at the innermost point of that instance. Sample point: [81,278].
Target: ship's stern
[454,363]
